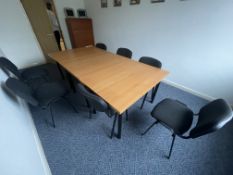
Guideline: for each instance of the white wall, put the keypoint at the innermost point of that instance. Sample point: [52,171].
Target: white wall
[20,148]
[59,5]
[21,151]
[17,40]
[192,38]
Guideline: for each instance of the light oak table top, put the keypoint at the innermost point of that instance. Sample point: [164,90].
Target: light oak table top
[118,80]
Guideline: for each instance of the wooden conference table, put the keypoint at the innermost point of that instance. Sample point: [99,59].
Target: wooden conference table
[118,80]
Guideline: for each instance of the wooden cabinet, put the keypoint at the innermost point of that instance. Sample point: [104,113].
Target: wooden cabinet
[80,31]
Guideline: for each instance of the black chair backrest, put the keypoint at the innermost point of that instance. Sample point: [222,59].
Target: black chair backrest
[94,101]
[101,46]
[171,122]
[124,52]
[212,117]
[22,90]
[150,61]
[8,65]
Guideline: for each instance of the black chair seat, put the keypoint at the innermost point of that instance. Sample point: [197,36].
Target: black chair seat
[35,83]
[50,92]
[173,114]
[32,73]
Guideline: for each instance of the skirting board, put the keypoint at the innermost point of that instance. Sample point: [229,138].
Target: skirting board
[38,143]
[204,96]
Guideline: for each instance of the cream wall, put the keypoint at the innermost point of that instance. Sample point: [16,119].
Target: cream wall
[18,41]
[21,150]
[192,38]
[20,147]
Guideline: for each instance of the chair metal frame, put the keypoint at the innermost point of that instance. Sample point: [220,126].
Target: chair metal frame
[190,134]
[155,63]
[89,96]
[35,101]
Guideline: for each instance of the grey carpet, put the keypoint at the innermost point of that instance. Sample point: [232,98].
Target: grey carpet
[81,146]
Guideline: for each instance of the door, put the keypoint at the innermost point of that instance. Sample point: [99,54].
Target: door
[38,17]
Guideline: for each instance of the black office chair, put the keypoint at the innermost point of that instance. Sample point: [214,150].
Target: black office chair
[178,118]
[95,103]
[101,46]
[46,95]
[32,76]
[124,52]
[155,63]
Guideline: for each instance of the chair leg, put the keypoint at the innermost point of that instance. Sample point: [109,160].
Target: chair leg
[127,115]
[52,117]
[143,100]
[68,102]
[90,113]
[173,140]
[113,126]
[149,127]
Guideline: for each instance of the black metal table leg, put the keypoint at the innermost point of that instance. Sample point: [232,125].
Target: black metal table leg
[143,101]
[119,126]
[113,126]
[60,70]
[153,93]
[127,115]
